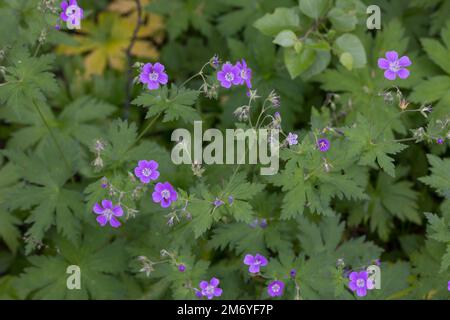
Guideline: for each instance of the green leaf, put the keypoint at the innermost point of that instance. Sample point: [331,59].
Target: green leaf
[314,8]
[286,38]
[281,19]
[346,59]
[440,175]
[297,63]
[351,44]
[341,20]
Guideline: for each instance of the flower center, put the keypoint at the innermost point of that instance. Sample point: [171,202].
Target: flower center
[107,213]
[146,172]
[210,289]
[165,194]
[275,288]
[153,76]
[71,10]
[229,76]
[394,66]
[360,283]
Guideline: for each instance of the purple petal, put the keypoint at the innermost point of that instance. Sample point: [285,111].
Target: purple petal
[97,209]
[117,211]
[143,77]
[214,282]
[227,67]
[225,84]
[262,260]
[403,73]
[217,292]
[353,276]
[64,5]
[114,222]
[143,163]
[152,85]
[352,285]
[390,75]
[249,259]
[221,76]
[107,204]
[383,63]
[73,3]
[203,284]
[156,196]
[392,56]
[363,275]
[152,164]
[404,62]
[361,292]
[154,175]
[147,69]
[102,220]
[159,187]
[158,67]
[173,195]
[253,268]
[63,16]
[369,284]
[163,78]
[165,203]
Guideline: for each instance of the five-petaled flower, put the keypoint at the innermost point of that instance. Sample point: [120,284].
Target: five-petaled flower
[153,75]
[245,73]
[229,75]
[323,144]
[255,262]
[394,66]
[164,193]
[275,288]
[71,12]
[210,290]
[360,282]
[146,171]
[292,139]
[108,213]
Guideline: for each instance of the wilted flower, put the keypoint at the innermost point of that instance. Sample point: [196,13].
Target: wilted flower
[440,141]
[424,110]
[242,113]
[215,63]
[153,75]
[108,213]
[230,200]
[292,139]
[255,262]
[275,288]
[394,66]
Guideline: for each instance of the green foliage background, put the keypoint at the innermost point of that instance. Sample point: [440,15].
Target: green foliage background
[381,191]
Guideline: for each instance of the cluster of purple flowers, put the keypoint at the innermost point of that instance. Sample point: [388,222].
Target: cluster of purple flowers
[237,74]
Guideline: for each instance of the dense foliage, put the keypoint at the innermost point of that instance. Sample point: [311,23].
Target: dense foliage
[74,126]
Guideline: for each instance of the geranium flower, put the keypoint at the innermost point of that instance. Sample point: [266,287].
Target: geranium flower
[153,75]
[210,290]
[255,262]
[146,171]
[245,73]
[323,144]
[164,193]
[275,288]
[292,139]
[360,282]
[394,66]
[71,11]
[108,213]
[229,75]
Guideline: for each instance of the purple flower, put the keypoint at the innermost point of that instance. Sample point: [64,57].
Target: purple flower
[108,213]
[146,171]
[275,288]
[255,262]
[448,286]
[440,141]
[254,223]
[164,193]
[323,144]
[71,11]
[245,73]
[394,66]
[292,139]
[360,282]
[229,75]
[215,61]
[293,273]
[153,75]
[218,202]
[210,290]
[263,223]
[181,268]
[230,200]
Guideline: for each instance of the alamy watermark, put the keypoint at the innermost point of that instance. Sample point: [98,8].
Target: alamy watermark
[239,145]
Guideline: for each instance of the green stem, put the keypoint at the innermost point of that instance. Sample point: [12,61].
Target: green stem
[147,127]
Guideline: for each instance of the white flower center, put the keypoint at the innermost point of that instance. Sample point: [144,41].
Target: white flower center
[153,76]
[360,283]
[209,289]
[146,172]
[165,194]
[394,66]
[72,10]
[276,288]
[107,213]
[229,76]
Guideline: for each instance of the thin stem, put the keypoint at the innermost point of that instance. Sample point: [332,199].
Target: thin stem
[148,127]
[53,137]
[129,84]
